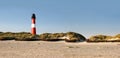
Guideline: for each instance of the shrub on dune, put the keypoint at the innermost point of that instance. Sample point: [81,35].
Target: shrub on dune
[1,32]
[7,36]
[74,37]
[99,38]
[50,36]
[117,36]
[57,36]
[44,36]
[61,34]
[23,36]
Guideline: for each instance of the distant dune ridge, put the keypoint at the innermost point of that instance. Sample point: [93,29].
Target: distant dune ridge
[104,38]
[68,37]
[21,36]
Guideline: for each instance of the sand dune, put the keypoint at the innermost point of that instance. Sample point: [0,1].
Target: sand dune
[60,49]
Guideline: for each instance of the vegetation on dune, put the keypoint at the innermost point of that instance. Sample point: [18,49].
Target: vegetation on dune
[25,36]
[22,36]
[68,37]
[104,38]
[6,36]
[117,36]
[1,32]
[44,36]
[51,37]
[74,37]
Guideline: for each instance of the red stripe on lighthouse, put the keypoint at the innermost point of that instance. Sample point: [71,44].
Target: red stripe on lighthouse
[33,31]
[33,20]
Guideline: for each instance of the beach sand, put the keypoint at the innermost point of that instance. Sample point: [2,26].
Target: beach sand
[59,49]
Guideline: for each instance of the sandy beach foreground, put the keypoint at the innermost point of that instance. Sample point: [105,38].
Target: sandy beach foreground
[60,49]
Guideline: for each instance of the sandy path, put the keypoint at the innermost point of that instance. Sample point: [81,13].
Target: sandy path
[61,49]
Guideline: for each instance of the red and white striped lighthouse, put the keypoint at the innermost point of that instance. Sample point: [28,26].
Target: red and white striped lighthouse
[33,30]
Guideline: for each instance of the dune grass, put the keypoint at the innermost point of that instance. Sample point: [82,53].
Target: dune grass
[72,37]
[104,38]
[68,37]
[21,36]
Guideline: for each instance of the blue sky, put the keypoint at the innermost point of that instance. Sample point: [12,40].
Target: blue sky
[87,17]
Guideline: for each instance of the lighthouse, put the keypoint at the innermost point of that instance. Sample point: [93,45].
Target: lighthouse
[33,29]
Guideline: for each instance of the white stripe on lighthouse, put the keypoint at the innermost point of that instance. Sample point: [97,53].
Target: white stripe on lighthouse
[33,25]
